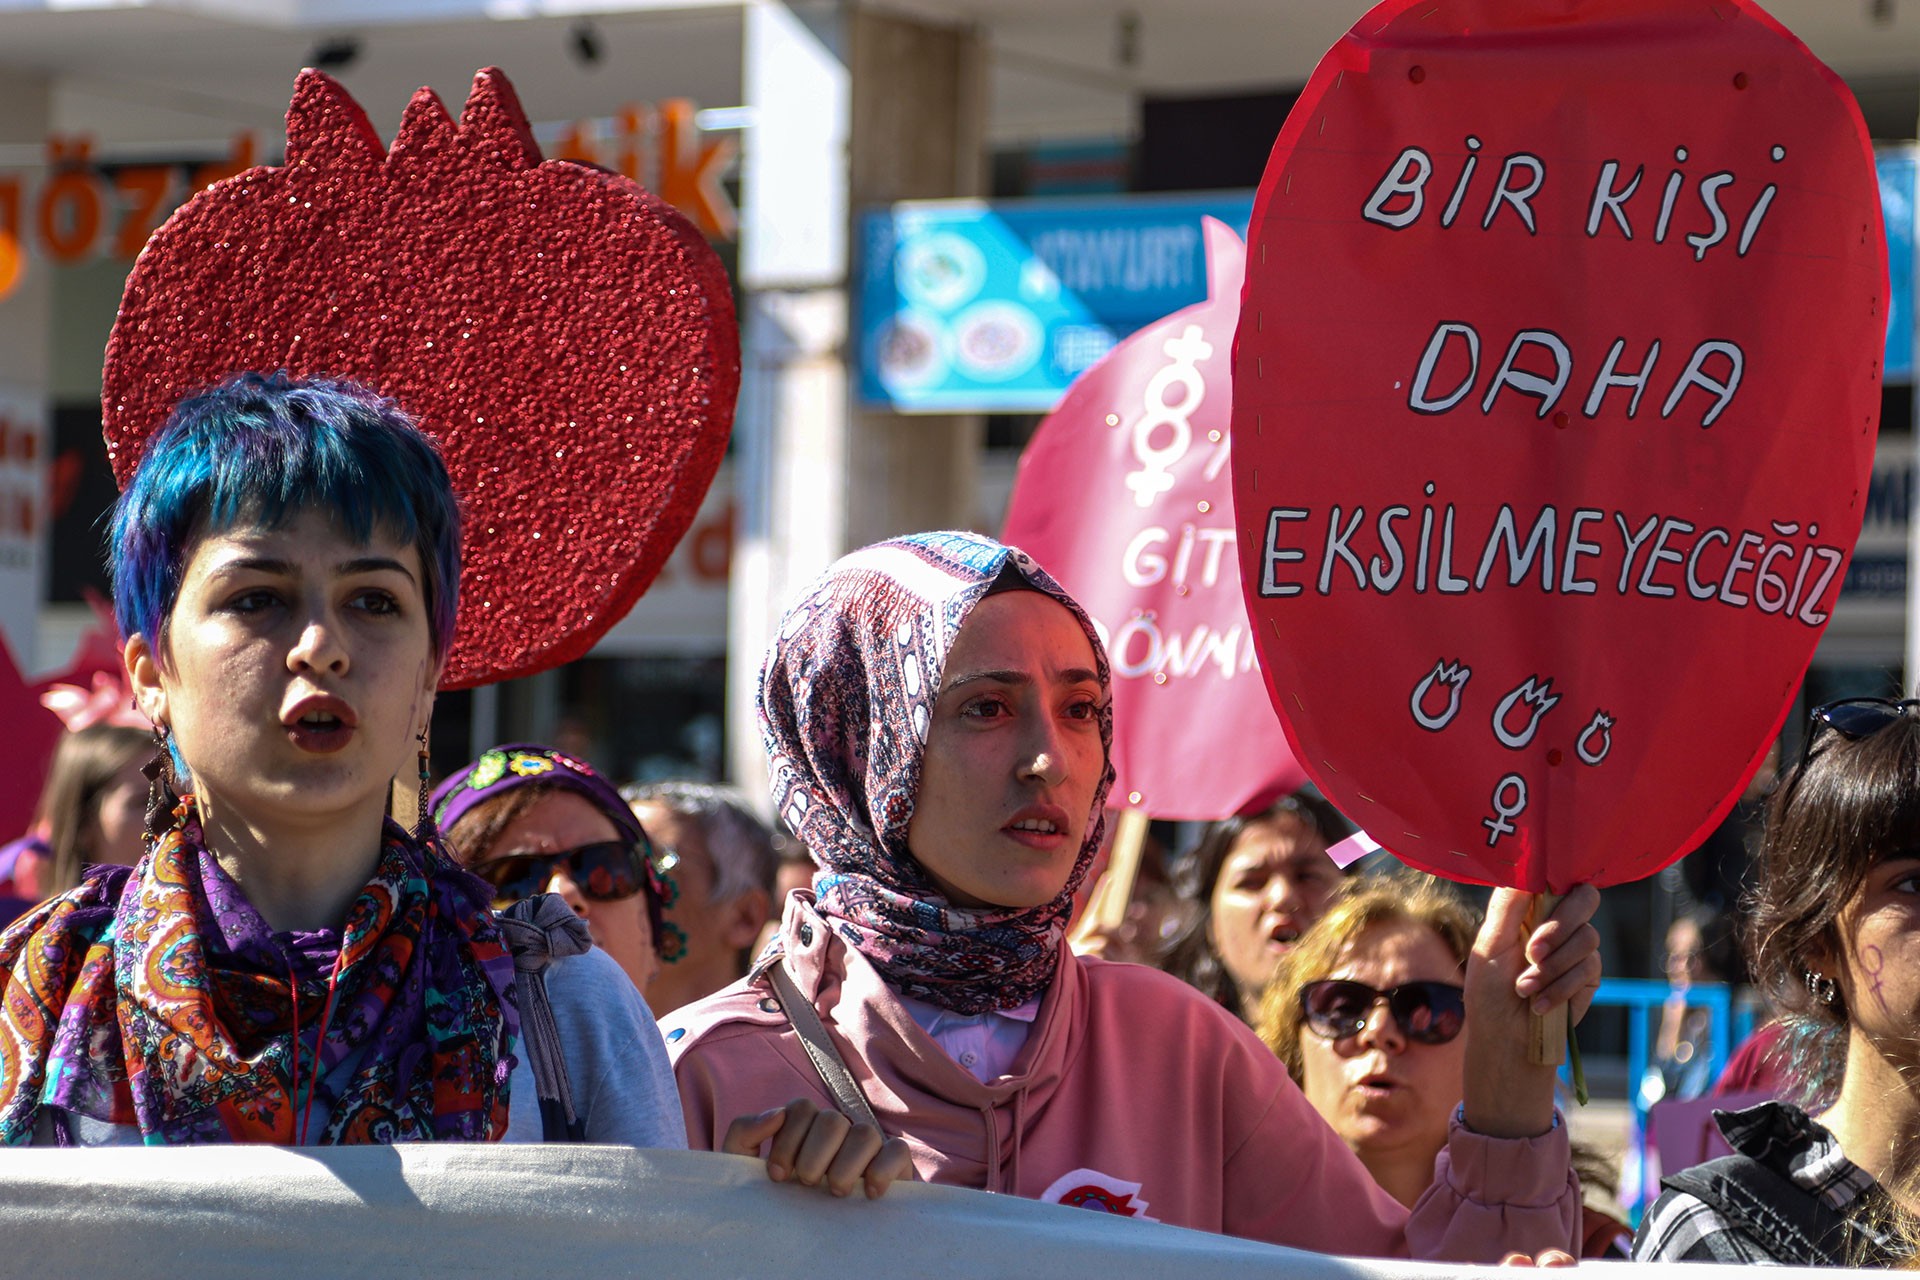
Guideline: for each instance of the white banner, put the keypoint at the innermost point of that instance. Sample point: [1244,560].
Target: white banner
[570,1213]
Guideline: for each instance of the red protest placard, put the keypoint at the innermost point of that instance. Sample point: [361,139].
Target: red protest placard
[1125,496]
[1555,395]
[32,732]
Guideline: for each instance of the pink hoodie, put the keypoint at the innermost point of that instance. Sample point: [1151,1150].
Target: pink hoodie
[1134,1094]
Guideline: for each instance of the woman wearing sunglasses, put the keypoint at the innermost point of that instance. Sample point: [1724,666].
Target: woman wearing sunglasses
[287,964]
[1367,1012]
[938,714]
[1833,941]
[529,819]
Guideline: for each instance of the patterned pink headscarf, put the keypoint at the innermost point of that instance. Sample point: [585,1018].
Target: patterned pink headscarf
[845,700]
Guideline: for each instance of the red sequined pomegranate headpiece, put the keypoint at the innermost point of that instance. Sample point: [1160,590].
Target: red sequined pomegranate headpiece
[568,338]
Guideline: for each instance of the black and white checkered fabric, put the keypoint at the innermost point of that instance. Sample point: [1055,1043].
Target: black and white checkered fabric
[1680,1227]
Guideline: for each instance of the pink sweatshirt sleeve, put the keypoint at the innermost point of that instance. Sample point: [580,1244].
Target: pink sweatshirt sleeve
[1294,1182]
[1492,1196]
[698,1095]
[733,1070]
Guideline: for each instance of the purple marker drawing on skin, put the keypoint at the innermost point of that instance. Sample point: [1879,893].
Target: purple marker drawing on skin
[1873,962]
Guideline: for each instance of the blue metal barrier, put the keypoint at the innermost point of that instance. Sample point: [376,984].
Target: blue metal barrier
[1730,1023]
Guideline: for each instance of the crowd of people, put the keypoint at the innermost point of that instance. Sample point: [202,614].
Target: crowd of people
[262,922]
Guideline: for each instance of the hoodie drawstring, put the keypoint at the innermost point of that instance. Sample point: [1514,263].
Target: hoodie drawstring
[1009,1185]
[1019,1132]
[989,1114]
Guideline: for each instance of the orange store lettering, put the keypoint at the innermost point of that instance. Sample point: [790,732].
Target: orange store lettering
[81,208]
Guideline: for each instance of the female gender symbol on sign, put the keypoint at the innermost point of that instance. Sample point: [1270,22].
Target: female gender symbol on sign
[1124,495]
[1505,811]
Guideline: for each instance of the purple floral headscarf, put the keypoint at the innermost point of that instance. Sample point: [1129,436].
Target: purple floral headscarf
[510,767]
[845,700]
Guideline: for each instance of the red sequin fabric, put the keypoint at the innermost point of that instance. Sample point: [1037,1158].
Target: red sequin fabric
[566,336]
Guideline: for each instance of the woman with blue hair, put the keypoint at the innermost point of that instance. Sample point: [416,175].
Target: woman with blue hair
[288,964]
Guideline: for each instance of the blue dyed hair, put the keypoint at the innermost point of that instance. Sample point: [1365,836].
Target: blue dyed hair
[259,449]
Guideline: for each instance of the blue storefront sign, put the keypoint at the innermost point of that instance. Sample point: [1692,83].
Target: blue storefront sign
[975,307]
[1897,171]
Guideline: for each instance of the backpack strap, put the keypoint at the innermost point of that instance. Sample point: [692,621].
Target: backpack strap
[1794,1225]
[540,930]
[824,1054]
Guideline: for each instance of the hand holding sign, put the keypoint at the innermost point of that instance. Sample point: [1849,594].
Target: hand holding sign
[1526,960]
[1555,395]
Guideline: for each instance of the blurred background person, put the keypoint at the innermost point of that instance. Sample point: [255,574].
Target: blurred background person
[1248,890]
[92,811]
[1138,931]
[529,819]
[793,870]
[721,888]
[94,806]
[1718,873]
[1699,946]
[1366,1011]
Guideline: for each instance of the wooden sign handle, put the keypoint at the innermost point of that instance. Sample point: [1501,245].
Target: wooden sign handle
[1107,904]
[1546,1033]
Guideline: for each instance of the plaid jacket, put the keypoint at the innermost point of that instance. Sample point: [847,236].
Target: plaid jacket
[1787,1195]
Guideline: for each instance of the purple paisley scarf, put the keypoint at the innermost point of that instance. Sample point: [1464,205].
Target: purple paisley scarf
[157,996]
[845,701]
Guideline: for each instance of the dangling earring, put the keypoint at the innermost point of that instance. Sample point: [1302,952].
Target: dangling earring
[423,822]
[161,800]
[1823,989]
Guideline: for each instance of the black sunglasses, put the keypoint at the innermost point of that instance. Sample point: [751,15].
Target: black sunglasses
[1851,718]
[1425,1012]
[606,871]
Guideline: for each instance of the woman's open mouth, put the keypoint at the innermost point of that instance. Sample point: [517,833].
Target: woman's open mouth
[321,724]
[1038,827]
[1377,1086]
[1281,938]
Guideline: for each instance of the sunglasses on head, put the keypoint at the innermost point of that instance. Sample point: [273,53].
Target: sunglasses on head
[1425,1012]
[606,871]
[1851,718]
[1855,718]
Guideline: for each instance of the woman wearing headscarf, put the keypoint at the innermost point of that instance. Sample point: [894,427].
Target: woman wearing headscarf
[286,963]
[530,819]
[938,718]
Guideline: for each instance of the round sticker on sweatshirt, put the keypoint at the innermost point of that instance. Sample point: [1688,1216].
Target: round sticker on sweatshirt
[1091,1189]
